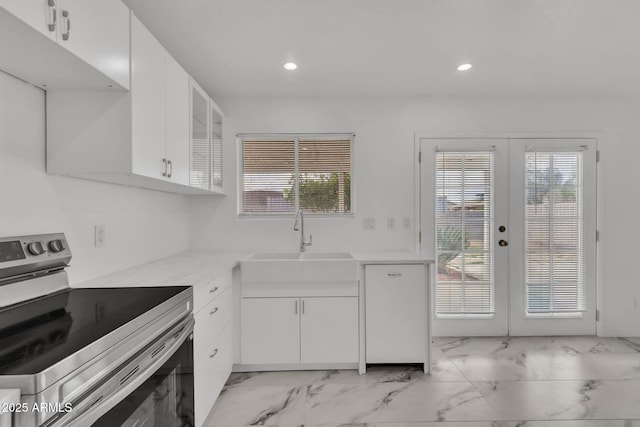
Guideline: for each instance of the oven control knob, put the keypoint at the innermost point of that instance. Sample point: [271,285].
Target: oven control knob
[57,246]
[36,248]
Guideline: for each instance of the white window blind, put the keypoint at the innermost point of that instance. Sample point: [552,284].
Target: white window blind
[554,240]
[283,175]
[464,233]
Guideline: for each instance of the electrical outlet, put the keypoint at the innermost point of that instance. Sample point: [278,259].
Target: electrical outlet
[406,223]
[369,223]
[391,222]
[100,237]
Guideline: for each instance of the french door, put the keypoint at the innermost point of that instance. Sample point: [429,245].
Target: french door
[511,224]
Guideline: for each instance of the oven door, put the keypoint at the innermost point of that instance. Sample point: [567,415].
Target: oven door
[163,400]
[153,388]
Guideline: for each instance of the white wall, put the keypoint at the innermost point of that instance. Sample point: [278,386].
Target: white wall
[141,225]
[385,129]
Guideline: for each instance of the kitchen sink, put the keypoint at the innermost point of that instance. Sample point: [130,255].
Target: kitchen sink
[290,267]
[274,255]
[325,255]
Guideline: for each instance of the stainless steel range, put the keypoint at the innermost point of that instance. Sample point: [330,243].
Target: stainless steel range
[83,357]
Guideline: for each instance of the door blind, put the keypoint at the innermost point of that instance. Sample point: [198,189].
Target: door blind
[554,236]
[465,282]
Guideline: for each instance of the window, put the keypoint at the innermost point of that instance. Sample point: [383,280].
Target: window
[284,173]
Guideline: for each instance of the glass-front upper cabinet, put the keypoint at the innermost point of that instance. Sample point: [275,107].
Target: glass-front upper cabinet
[206,141]
[216,145]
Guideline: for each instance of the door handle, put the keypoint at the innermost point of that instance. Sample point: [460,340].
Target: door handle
[503,243]
[54,14]
[67,19]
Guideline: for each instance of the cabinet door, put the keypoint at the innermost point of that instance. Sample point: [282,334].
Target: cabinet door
[212,370]
[396,306]
[177,121]
[39,14]
[270,330]
[148,102]
[329,330]
[200,152]
[216,145]
[97,31]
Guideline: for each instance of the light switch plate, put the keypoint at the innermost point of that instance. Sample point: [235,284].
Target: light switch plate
[369,223]
[406,223]
[391,222]
[100,237]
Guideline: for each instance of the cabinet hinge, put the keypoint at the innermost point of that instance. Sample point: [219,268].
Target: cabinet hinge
[597,156]
[597,235]
[419,156]
[597,315]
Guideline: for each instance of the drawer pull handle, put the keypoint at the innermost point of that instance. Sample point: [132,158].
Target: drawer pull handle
[213,290]
[214,311]
[394,274]
[213,354]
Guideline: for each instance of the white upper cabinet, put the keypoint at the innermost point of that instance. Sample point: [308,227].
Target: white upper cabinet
[177,121]
[206,141]
[41,15]
[138,138]
[96,32]
[148,102]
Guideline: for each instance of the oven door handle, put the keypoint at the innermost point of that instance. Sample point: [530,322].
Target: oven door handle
[93,405]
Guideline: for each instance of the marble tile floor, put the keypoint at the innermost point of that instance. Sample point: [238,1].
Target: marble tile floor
[475,382]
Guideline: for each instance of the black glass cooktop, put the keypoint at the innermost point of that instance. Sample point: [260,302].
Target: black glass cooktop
[38,333]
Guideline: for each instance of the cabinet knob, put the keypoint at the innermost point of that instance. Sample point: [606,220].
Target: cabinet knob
[170,168]
[213,290]
[54,15]
[214,311]
[212,355]
[164,167]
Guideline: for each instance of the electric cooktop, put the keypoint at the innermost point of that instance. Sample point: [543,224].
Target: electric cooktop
[38,333]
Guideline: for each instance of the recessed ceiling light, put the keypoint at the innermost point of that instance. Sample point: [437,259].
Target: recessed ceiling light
[464,67]
[290,66]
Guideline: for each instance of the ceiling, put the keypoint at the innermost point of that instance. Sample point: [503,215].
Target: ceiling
[402,47]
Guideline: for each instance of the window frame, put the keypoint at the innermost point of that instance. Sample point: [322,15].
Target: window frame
[294,137]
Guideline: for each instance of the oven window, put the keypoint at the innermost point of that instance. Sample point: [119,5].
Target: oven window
[164,400]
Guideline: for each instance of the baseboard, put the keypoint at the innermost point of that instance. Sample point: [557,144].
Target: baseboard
[622,332]
[293,367]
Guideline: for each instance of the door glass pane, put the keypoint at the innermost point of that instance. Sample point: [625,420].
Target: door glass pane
[464,233]
[554,244]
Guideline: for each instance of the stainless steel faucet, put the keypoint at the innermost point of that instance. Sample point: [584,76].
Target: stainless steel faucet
[299,226]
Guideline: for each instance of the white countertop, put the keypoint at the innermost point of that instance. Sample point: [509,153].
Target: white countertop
[184,269]
[399,257]
[189,268]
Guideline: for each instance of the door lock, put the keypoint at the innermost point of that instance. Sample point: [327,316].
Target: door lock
[503,243]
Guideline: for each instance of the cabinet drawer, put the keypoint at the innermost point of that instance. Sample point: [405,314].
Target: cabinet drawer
[205,292]
[212,370]
[211,320]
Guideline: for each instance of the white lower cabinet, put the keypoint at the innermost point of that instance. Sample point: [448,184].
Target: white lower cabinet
[211,372]
[270,330]
[329,330]
[213,343]
[299,330]
[396,310]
